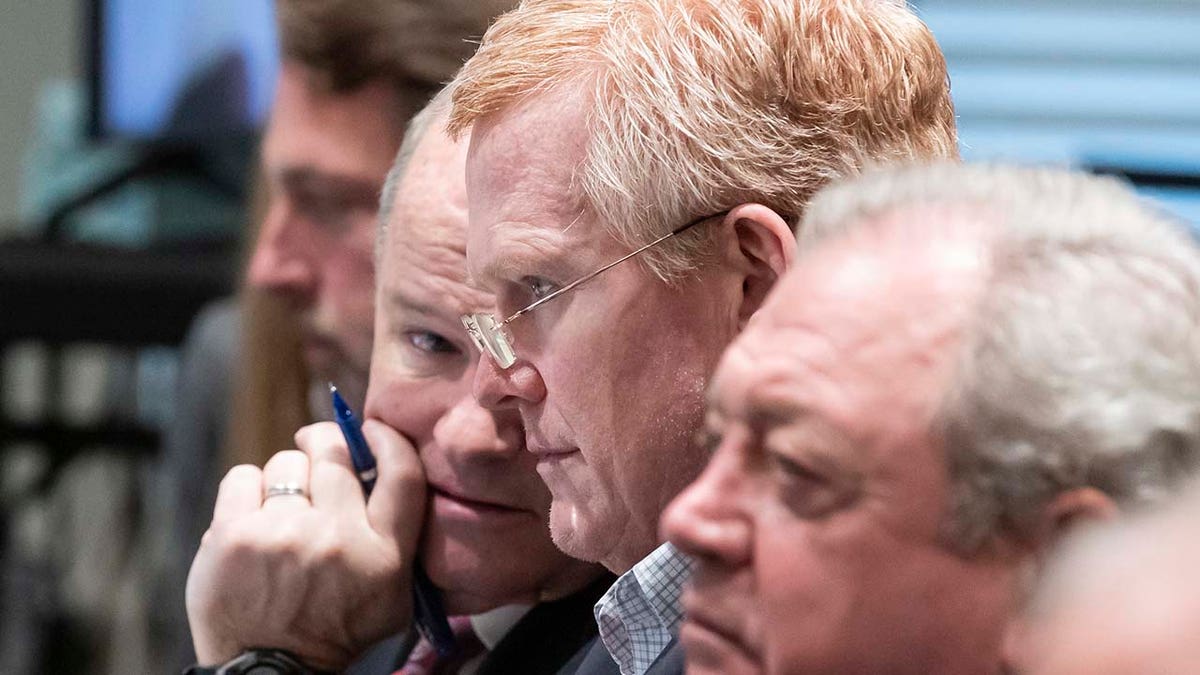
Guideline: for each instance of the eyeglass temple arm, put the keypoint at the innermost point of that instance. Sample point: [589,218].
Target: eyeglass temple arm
[610,265]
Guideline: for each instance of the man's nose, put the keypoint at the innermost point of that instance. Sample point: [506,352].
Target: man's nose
[707,520]
[282,261]
[497,388]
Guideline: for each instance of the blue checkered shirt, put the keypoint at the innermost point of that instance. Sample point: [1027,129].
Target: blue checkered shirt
[640,614]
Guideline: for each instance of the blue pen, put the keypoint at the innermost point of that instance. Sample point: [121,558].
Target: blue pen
[360,452]
[428,613]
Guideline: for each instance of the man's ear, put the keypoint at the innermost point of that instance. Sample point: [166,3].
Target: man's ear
[1069,511]
[1064,515]
[766,248]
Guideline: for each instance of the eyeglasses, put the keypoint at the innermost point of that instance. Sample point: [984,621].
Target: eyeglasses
[490,335]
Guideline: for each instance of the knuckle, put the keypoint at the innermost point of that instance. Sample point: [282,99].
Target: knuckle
[255,543]
[331,553]
[239,543]
[239,473]
[286,541]
[307,431]
[322,440]
[285,461]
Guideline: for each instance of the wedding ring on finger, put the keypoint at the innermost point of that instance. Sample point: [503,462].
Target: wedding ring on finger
[281,489]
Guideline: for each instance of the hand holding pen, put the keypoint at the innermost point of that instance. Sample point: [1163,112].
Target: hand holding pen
[296,559]
[428,614]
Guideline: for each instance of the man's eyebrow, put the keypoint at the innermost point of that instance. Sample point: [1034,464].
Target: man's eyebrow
[769,410]
[345,186]
[401,300]
[500,267]
[517,259]
[827,447]
[765,409]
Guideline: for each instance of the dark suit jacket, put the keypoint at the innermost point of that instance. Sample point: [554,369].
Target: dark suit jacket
[539,644]
[549,635]
[594,659]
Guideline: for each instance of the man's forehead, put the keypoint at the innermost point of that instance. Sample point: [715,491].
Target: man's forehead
[923,251]
[517,248]
[351,134]
[543,192]
[866,308]
[433,290]
[523,165]
[553,122]
[424,268]
[827,288]
[765,394]
[531,231]
[430,202]
[423,258]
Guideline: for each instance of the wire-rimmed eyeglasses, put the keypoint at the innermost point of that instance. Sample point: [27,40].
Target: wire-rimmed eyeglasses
[490,335]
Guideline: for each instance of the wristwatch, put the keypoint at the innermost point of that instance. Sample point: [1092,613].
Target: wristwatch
[258,662]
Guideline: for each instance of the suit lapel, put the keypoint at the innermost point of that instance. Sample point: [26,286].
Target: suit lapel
[593,659]
[549,635]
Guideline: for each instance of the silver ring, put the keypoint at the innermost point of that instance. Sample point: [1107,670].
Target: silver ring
[279,489]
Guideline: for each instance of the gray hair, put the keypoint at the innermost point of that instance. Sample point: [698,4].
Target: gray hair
[418,127]
[1081,363]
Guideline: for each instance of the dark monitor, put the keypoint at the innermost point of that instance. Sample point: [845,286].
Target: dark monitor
[181,71]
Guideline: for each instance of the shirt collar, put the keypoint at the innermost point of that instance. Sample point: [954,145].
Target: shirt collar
[640,614]
[491,626]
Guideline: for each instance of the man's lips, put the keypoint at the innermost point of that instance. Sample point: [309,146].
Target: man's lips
[712,625]
[479,504]
[551,453]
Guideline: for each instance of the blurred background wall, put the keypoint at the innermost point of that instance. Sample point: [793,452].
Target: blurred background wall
[40,40]
[1107,85]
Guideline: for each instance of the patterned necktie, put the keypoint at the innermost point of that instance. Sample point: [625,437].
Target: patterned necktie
[424,659]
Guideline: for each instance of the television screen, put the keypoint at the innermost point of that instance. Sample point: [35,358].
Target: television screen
[182,70]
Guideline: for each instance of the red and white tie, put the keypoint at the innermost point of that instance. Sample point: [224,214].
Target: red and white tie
[424,659]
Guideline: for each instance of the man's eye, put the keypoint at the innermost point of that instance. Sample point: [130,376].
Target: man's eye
[791,468]
[432,343]
[325,210]
[539,287]
[807,492]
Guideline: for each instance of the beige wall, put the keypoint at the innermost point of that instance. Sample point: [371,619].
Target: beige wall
[39,40]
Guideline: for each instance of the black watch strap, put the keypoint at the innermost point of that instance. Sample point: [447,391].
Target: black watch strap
[258,662]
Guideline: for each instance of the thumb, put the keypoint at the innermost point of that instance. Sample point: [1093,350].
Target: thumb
[396,508]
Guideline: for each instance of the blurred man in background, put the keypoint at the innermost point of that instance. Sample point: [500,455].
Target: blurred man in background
[924,407]
[254,371]
[353,74]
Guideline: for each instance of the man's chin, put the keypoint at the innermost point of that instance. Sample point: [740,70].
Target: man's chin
[710,652]
[572,532]
[469,587]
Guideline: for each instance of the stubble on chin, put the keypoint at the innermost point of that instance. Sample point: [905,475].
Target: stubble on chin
[567,531]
